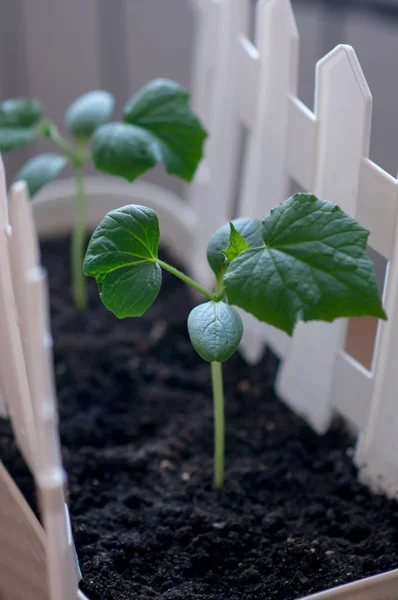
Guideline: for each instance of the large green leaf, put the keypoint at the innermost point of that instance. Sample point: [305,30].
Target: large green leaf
[159,127]
[313,266]
[215,330]
[249,229]
[88,112]
[122,256]
[41,170]
[20,112]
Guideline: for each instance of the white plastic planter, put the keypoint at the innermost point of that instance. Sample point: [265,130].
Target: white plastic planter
[326,152]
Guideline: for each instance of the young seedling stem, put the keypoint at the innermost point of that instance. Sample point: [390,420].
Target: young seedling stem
[216,377]
[219,433]
[79,288]
[196,286]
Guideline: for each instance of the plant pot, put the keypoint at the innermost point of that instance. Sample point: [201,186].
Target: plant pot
[169,482]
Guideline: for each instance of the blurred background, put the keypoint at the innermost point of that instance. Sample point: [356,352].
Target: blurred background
[55,50]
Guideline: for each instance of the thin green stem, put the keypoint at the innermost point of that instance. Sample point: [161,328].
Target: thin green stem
[219,433]
[220,291]
[79,290]
[51,132]
[199,288]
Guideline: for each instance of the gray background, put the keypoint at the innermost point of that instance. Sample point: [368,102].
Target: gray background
[56,50]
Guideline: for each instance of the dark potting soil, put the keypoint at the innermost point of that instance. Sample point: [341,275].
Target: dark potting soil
[136,427]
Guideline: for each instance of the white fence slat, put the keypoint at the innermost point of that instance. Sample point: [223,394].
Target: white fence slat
[301,149]
[30,291]
[265,178]
[23,570]
[24,258]
[377,205]
[23,254]
[214,202]
[377,452]
[205,48]
[247,72]
[352,384]
[343,111]
[204,79]
[51,479]
[12,363]
[351,390]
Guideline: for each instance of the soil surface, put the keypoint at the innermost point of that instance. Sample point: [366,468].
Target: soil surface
[136,427]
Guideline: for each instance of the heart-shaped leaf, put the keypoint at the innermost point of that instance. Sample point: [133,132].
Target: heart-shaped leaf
[88,112]
[215,330]
[249,229]
[41,170]
[122,256]
[130,291]
[313,266]
[159,127]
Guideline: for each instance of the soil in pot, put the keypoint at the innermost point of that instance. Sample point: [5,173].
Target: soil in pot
[136,427]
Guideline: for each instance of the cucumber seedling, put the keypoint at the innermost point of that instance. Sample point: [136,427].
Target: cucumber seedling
[306,261]
[158,126]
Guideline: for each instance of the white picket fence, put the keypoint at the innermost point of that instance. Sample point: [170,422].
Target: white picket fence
[238,86]
[28,556]
[325,152]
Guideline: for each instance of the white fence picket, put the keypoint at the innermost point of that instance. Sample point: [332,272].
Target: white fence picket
[61,558]
[352,384]
[12,363]
[215,199]
[204,79]
[266,180]
[207,21]
[266,113]
[23,570]
[343,112]
[24,259]
[377,452]
[31,300]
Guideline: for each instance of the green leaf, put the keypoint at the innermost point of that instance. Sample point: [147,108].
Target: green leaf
[20,112]
[123,150]
[159,127]
[16,137]
[122,256]
[88,112]
[215,330]
[237,244]
[314,266]
[249,229]
[130,291]
[17,119]
[40,170]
